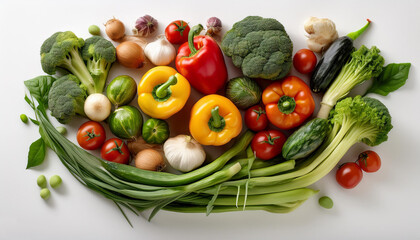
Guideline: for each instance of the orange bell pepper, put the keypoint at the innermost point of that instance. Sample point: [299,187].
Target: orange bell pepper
[215,120]
[288,103]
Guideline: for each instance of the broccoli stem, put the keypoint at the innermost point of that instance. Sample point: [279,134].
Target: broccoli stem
[99,69]
[352,74]
[78,68]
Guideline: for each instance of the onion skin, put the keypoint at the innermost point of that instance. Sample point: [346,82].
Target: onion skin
[114,29]
[130,55]
[97,107]
[149,159]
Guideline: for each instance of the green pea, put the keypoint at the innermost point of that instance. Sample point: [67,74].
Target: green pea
[41,181]
[94,30]
[45,193]
[62,130]
[24,118]
[55,181]
[326,202]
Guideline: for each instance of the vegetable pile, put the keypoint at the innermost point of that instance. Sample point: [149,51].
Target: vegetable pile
[145,166]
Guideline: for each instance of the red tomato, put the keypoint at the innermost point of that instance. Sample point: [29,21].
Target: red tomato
[349,175]
[115,150]
[268,144]
[177,32]
[91,135]
[369,161]
[256,118]
[304,61]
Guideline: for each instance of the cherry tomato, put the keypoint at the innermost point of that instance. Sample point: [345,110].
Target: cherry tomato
[115,150]
[91,135]
[369,161]
[177,32]
[256,118]
[304,61]
[268,144]
[349,175]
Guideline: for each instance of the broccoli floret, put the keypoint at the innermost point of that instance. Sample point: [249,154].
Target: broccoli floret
[364,119]
[62,50]
[99,55]
[260,46]
[66,98]
[354,120]
[364,64]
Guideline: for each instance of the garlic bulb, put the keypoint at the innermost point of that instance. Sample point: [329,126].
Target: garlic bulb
[160,52]
[184,153]
[321,32]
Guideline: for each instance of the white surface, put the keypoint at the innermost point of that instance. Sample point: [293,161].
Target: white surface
[384,206]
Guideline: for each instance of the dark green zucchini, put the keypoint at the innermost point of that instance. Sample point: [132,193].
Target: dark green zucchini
[306,139]
[333,60]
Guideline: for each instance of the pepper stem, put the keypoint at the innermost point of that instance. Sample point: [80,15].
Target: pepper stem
[194,32]
[162,90]
[356,34]
[217,122]
[286,104]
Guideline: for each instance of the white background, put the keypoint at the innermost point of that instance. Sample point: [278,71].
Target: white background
[384,206]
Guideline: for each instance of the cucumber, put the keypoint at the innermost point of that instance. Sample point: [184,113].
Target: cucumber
[330,64]
[333,60]
[126,122]
[121,90]
[306,139]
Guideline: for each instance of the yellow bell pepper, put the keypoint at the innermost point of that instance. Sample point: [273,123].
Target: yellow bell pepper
[162,92]
[215,120]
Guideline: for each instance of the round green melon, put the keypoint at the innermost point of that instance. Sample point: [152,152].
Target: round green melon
[121,90]
[126,122]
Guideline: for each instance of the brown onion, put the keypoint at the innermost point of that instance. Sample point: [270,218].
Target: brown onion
[115,29]
[130,54]
[149,159]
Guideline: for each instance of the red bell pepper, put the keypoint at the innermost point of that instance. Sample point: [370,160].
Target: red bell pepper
[201,62]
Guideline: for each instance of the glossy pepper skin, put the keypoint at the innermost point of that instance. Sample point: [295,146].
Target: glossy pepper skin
[288,103]
[162,92]
[215,120]
[201,61]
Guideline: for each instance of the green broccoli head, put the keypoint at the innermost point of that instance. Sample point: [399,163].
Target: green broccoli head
[260,46]
[62,50]
[57,49]
[367,119]
[66,98]
[99,55]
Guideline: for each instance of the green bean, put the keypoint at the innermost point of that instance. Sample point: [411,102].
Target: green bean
[24,118]
[326,202]
[45,193]
[41,181]
[94,30]
[137,175]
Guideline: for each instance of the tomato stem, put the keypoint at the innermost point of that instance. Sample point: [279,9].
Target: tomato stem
[117,148]
[91,135]
[180,28]
[260,112]
[270,140]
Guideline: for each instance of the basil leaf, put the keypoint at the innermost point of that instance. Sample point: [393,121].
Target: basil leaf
[36,153]
[392,77]
[39,88]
